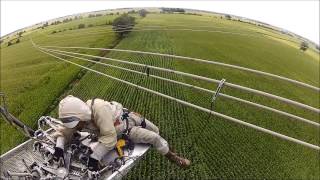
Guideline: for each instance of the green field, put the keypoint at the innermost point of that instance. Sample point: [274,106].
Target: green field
[32,81]
[218,149]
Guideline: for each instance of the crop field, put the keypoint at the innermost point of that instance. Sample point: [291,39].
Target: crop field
[32,81]
[218,149]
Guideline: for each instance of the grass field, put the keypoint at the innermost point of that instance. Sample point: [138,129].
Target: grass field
[218,149]
[33,81]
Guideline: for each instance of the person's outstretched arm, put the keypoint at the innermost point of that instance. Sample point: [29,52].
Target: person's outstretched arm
[107,134]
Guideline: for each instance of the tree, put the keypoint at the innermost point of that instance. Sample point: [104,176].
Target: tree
[67,20]
[45,25]
[123,24]
[131,12]
[20,34]
[304,46]
[227,16]
[80,26]
[9,43]
[18,40]
[179,10]
[55,22]
[172,10]
[143,12]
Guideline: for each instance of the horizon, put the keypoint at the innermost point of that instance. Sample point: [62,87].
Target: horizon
[203,6]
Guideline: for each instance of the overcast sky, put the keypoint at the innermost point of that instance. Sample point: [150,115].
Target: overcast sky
[301,17]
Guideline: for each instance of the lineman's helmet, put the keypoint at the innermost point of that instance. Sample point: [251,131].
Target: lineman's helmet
[72,110]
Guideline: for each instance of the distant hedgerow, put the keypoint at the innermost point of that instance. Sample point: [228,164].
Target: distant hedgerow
[304,46]
[80,26]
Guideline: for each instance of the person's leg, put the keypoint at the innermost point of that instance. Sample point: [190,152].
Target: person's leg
[137,118]
[142,135]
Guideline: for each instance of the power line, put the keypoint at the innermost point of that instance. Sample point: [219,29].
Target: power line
[203,61]
[198,88]
[285,100]
[312,146]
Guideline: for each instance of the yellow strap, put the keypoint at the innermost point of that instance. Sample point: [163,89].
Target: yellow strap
[120,144]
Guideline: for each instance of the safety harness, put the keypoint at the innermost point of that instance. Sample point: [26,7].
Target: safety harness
[124,140]
[125,135]
[125,117]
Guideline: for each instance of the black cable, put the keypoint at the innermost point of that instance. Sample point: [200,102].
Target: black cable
[211,108]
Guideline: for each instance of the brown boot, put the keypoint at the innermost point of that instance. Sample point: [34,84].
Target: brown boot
[182,162]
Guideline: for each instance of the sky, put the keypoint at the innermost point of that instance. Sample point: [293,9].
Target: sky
[300,17]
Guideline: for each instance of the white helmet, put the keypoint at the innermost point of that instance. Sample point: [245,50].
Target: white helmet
[72,110]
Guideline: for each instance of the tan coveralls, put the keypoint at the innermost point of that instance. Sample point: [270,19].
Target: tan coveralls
[107,124]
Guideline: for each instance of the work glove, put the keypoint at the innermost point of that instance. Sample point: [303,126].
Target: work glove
[58,153]
[93,164]
[75,138]
[93,137]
